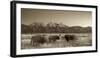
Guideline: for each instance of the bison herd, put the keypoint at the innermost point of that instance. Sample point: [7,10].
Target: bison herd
[41,39]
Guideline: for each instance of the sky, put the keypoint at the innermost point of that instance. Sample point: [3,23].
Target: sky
[67,17]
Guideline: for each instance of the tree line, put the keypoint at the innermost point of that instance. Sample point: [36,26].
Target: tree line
[53,28]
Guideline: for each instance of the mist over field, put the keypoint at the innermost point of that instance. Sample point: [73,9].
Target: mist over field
[80,40]
[44,28]
[54,35]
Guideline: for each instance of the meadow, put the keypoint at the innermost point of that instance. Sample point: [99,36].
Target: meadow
[81,39]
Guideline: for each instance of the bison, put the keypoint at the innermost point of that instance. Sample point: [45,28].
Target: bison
[69,37]
[37,40]
[53,38]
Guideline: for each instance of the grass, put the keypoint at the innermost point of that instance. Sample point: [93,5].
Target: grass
[81,40]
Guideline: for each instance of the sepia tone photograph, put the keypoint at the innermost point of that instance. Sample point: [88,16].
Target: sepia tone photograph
[44,28]
[40,28]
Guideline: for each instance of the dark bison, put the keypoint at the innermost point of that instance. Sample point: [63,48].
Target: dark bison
[69,37]
[53,38]
[37,40]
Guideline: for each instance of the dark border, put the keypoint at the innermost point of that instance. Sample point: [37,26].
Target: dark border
[13,28]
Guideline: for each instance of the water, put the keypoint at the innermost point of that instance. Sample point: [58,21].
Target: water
[82,39]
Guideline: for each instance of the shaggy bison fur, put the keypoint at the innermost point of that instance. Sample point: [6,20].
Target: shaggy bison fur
[69,37]
[53,38]
[38,39]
